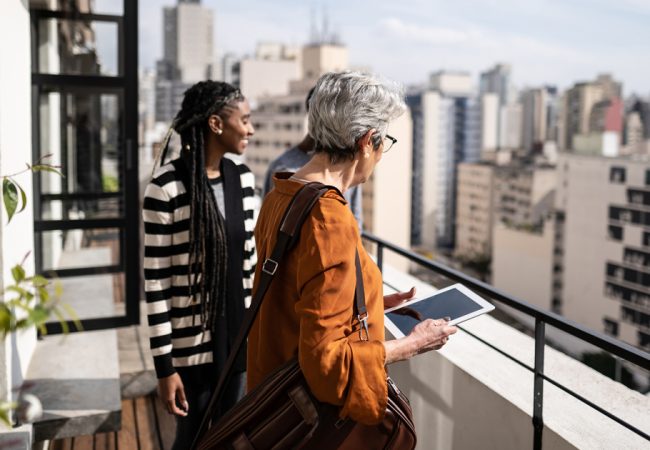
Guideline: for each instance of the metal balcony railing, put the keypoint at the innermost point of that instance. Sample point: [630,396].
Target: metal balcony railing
[617,348]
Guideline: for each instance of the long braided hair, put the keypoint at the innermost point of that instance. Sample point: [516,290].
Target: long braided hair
[208,258]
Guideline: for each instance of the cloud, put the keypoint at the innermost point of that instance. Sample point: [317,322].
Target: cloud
[432,35]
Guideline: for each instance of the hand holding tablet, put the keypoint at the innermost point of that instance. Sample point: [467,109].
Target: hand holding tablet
[455,302]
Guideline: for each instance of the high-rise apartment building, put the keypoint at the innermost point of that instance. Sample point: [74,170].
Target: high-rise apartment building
[387,194]
[539,114]
[281,120]
[510,126]
[497,81]
[577,105]
[633,128]
[489,124]
[446,131]
[188,54]
[188,40]
[280,123]
[474,211]
[605,203]
[269,73]
[525,259]
[524,193]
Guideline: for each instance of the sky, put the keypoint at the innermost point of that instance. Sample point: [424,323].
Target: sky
[556,42]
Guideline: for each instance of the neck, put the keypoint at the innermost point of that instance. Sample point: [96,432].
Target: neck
[319,168]
[213,156]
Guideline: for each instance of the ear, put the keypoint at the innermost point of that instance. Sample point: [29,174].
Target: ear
[365,143]
[215,123]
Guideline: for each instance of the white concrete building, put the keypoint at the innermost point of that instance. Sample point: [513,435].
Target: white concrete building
[387,194]
[188,40]
[606,208]
[259,78]
[446,131]
[489,125]
[280,117]
[320,58]
[539,114]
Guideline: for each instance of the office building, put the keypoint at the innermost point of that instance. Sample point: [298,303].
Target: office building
[539,115]
[188,41]
[188,55]
[446,131]
[577,105]
[497,80]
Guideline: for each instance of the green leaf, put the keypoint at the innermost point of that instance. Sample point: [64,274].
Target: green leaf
[64,324]
[43,294]
[39,281]
[23,198]
[5,320]
[18,272]
[10,197]
[39,314]
[47,168]
[58,289]
[5,409]
[73,315]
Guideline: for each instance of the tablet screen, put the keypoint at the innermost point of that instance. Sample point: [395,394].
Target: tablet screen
[450,303]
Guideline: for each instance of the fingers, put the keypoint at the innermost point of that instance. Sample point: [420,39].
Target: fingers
[170,390]
[182,399]
[173,409]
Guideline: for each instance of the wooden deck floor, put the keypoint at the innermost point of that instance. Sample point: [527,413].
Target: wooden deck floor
[145,426]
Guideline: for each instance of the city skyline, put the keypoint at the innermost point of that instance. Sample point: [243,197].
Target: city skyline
[546,42]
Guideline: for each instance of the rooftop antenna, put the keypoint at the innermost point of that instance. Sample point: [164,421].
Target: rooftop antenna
[325,37]
[313,31]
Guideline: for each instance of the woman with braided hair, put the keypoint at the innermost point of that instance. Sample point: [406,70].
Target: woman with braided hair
[199,254]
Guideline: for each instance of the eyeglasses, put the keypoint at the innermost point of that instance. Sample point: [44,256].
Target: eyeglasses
[392,141]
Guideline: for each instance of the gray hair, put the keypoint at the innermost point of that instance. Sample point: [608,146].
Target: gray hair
[346,105]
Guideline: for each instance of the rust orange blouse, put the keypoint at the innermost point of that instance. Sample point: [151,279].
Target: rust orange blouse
[308,310]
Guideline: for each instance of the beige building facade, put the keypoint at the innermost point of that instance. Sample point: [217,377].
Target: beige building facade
[387,194]
[474,210]
[524,194]
[606,233]
[280,121]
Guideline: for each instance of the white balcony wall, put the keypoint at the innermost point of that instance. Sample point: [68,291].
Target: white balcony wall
[469,396]
[16,238]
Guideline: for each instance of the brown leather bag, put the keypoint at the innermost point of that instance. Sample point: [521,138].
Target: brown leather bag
[282,413]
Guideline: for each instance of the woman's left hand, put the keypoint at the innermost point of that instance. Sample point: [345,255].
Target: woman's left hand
[398,298]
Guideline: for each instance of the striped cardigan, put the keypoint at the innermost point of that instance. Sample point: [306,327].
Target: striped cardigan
[176,336]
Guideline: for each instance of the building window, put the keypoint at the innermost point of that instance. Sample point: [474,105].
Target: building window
[611,327]
[646,239]
[647,177]
[617,175]
[644,339]
[615,233]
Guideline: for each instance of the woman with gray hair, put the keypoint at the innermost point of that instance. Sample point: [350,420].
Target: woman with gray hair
[308,310]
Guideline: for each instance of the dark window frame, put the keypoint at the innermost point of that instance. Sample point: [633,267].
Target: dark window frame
[126,84]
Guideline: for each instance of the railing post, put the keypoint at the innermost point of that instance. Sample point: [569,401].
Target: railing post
[380,256]
[538,389]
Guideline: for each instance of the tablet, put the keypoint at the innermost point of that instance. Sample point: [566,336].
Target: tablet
[456,302]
